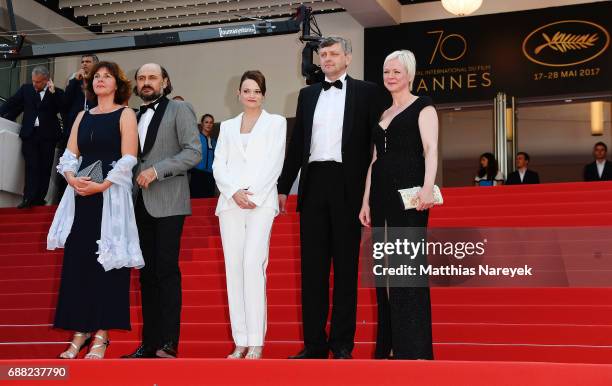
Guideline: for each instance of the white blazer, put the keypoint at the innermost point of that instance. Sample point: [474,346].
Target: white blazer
[257,168]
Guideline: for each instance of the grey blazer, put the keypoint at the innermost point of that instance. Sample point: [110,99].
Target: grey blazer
[172,150]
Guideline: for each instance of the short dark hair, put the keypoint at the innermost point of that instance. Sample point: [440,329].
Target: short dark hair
[123,92]
[331,40]
[256,76]
[524,155]
[167,90]
[207,115]
[601,144]
[93,56]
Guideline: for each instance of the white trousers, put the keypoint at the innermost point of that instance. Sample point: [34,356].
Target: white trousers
[245,234]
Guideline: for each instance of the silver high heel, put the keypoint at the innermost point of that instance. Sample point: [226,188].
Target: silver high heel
[238,353]
[71,354]
[255,352]
[105,344]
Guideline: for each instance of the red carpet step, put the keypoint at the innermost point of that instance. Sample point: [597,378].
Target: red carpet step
[191,372]
[484,325]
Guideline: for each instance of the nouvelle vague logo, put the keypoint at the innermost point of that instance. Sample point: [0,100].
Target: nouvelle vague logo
[566,43]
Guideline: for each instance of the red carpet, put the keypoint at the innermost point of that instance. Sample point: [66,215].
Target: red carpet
[491,327]
[192,372]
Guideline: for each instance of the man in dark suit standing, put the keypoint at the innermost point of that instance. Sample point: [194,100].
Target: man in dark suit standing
[75,101]
[601,168]
[522,175]
[331,144]
[40,102]
[169,145]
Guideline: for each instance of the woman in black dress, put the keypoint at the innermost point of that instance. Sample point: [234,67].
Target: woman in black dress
[405,156]
[93,299]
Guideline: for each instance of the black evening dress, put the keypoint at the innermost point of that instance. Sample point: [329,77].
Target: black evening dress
[404,311]
[91,299]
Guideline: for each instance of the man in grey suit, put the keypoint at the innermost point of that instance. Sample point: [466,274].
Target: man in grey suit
[169,147]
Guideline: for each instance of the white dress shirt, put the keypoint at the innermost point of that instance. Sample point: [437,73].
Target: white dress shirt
[42,95]
[326,142]
[143,125]
[522,173]
[600,167]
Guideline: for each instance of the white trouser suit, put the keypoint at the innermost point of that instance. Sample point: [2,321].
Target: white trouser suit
[245,233]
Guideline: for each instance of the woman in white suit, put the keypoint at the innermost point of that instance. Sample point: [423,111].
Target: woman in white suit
[248,161]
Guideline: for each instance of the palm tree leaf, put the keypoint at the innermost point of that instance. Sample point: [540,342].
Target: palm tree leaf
[564,42]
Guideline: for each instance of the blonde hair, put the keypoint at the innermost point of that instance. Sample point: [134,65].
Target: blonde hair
[407,59]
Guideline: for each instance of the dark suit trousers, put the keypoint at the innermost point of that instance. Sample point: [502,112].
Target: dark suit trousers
[329,232]
[202,184]
[38,156]
[160,279]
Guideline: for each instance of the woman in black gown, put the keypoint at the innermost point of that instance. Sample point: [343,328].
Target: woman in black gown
[92,300]
[405,156]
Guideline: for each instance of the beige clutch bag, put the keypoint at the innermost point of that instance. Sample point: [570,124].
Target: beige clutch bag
[410,200]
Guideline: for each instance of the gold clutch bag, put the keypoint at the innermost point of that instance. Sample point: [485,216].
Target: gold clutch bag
[410,199]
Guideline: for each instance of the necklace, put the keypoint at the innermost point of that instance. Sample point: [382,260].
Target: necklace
[403,105]
[103,111]
[247,123]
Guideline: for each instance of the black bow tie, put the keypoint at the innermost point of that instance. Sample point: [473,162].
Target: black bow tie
[337,84]
[144,108]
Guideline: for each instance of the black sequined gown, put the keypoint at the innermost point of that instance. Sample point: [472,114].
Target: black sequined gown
[404,312]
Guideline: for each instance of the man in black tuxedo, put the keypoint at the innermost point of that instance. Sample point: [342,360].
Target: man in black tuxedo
[74,102]
[40,102]
[522,175]
[601,168]
[331,143]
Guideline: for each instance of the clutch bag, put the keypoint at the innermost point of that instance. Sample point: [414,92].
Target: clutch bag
[410,199]
[93,171]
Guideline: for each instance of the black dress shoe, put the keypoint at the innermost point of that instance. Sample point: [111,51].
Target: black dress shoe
[342,354]
[26,203]
[141,352]
[168,350]
[311,354]
[39,202]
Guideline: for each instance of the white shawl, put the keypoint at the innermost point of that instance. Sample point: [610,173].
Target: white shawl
[119,245]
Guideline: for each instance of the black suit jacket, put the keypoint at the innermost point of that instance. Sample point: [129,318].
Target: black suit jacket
[590,172]
[531,177]
[74,102]
[27,100]
[361,112]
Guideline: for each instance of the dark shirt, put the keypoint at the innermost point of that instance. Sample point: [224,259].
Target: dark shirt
[74,103]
